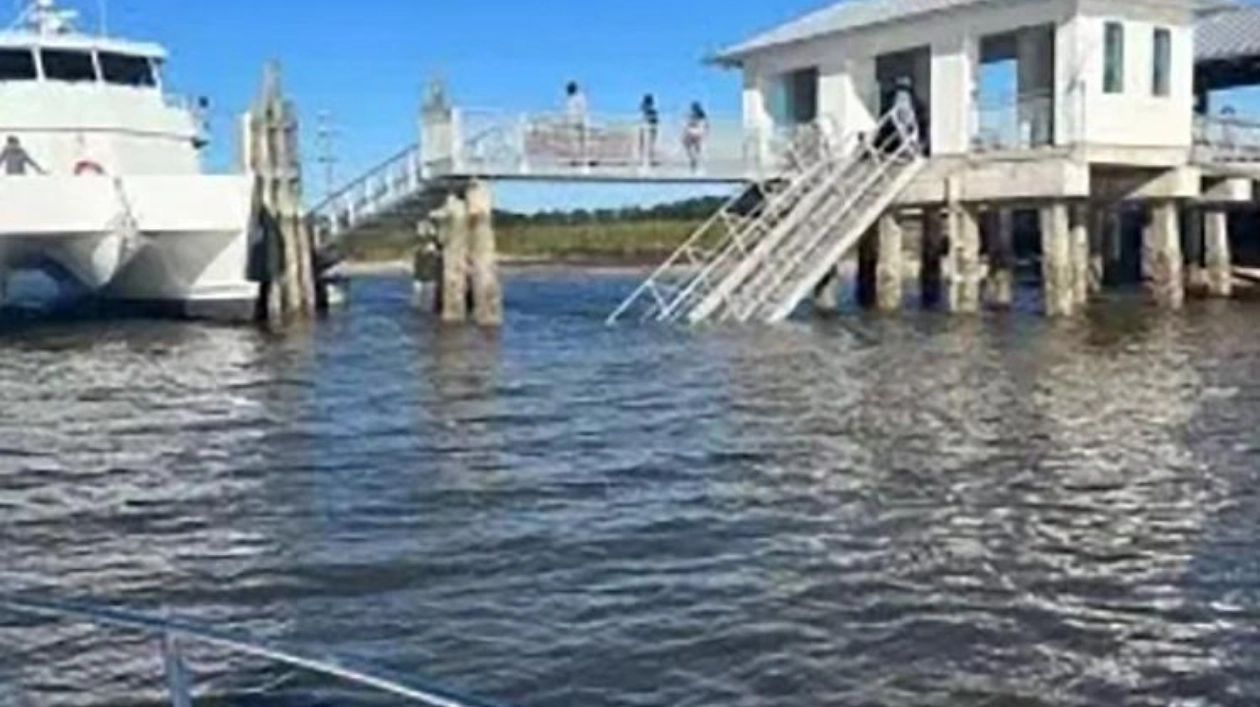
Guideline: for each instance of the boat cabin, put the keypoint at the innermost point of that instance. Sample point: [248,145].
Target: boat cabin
[80,103]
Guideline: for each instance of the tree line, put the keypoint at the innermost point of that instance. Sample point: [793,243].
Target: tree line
[687,210]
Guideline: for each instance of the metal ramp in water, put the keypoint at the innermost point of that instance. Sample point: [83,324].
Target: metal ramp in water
[759,265]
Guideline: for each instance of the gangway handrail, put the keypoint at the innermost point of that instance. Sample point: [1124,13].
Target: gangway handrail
[172,631]
[367,176]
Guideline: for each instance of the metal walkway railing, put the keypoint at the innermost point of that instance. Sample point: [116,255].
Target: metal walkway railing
[760,263]
[173,635]
[837,217]
[707,258]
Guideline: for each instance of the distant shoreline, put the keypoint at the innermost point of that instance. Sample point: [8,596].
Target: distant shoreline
[399,267]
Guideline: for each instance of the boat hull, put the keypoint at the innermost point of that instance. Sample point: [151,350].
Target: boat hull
[178,245]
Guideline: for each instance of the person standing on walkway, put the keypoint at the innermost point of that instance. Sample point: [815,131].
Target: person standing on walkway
[15,159]
[694,133]
[575,113]
[651,130]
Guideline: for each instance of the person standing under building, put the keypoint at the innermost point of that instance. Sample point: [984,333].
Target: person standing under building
[15,159]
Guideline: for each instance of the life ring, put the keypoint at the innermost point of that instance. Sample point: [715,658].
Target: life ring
[88,167]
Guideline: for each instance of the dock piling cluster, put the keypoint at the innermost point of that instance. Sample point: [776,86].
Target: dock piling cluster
[289,281]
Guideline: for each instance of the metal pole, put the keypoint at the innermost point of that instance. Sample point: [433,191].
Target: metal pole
[177,681]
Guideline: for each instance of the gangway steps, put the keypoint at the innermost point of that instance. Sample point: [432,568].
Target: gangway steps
[771,258]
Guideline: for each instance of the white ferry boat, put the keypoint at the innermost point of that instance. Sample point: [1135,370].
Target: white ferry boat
[101,181]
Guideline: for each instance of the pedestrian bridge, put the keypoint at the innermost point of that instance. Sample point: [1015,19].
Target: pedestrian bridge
[459,145]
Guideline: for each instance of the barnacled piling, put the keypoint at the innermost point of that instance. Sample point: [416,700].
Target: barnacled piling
[1001,281]
[889,269]
[273,155]
[1217,255]
[487,293]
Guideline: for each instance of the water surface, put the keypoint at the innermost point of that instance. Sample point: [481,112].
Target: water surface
[867,511]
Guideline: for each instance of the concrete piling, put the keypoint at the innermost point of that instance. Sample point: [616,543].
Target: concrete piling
[827,294]
[1193,247]
[1001,280]
[1056,261]
[1079,214]
[1100,222]
[889,271]
[867,269]
[964,265]
[1166,282]
[1217,254]
[932,253]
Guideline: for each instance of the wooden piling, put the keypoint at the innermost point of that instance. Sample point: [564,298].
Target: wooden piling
[487,292]
[451,220]
[889,271]
[1056,261]
[274,155]
[1166,281]
[1217,254]
[1001,280]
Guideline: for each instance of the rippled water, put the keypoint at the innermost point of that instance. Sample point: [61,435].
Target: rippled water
[911,511]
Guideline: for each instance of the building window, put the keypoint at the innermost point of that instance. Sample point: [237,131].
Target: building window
[1163,63]
[1113,68]
[17,65]
[61,65]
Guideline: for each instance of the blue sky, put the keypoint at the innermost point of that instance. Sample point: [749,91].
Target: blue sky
[366,62]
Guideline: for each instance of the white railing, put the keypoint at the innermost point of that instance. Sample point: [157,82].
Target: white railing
[1022,123]
[173,636]
[376,192]
[461,144]
[1226,138]
[504,144]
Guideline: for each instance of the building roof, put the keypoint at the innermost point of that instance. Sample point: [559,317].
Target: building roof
[849,15]
[1229,35]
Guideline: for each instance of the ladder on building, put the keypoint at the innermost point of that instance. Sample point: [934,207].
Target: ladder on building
[758,264]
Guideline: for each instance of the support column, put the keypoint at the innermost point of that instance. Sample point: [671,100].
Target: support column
[1056,257]
[1099,245]
[1167,284]
[1001,285]
[1217,255]
[1080,254]
[868,267]
[932,250]
[964,266]
[889,273]
[487,293]
[1192,245]
[827,294]
[453,235]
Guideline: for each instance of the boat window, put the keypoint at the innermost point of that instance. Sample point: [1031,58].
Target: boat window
[1113,58]
[127,70]
[17,65]
[61,65]
[1163,62]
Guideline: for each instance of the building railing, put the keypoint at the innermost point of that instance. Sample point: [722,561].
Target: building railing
[173,636]
[1022,123]
[1226,138]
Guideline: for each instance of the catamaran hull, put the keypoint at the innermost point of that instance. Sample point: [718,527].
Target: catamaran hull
[171,245]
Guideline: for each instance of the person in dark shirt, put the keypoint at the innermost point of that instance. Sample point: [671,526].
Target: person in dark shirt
[651,128]
[15,159]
